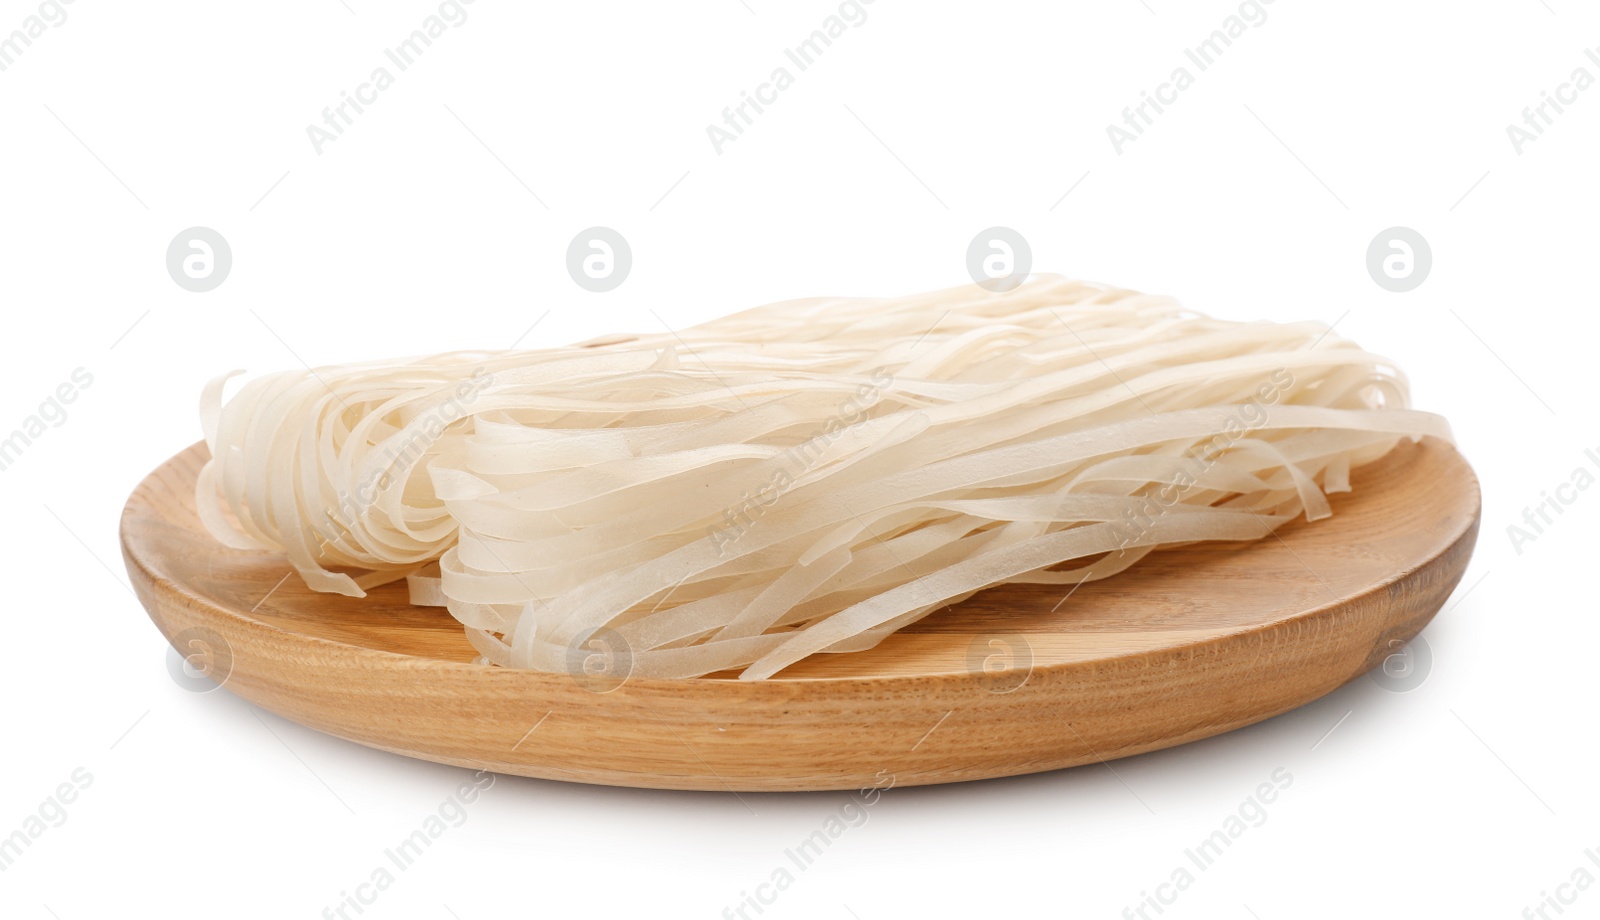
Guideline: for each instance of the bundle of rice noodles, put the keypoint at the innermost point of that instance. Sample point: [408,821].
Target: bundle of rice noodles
[803,477]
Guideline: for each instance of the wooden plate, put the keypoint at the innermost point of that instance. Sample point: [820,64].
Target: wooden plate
[1190,643]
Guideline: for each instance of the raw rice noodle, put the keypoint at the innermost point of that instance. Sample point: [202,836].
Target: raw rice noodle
[799,478]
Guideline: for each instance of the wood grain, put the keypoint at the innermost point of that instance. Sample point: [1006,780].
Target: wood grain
[1190,643]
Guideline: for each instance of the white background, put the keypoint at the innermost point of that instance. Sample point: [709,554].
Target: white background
[421,229]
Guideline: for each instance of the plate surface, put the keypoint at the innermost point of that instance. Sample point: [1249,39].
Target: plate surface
[1190,643]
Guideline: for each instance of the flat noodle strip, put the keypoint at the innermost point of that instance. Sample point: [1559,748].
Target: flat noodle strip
[800,478]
